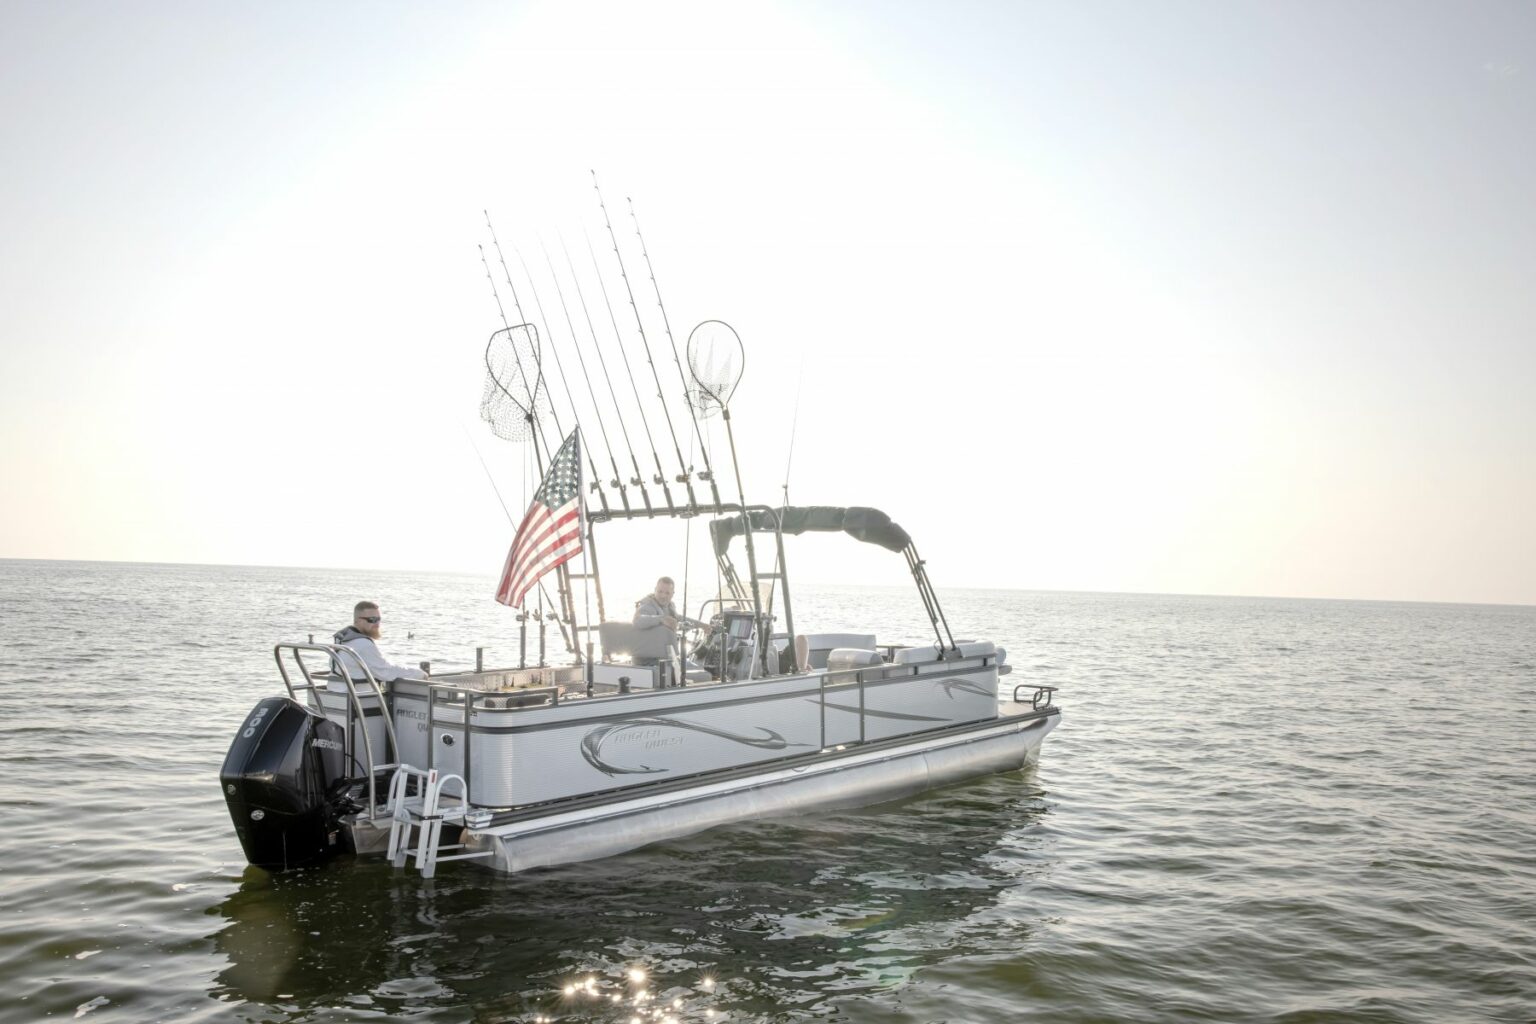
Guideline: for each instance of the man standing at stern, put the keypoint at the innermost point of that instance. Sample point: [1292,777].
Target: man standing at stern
[361,637]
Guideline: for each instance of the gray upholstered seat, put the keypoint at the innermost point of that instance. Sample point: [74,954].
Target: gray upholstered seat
[922,655]
[623,638]
[822,644]
[840,659]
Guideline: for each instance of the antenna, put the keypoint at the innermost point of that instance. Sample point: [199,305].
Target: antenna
[794,422]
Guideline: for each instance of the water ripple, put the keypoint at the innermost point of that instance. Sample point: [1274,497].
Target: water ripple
[1269,811]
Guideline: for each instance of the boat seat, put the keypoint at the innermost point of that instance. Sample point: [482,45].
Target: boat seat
[840,659]
[915,655]
[625,638]
[819,645]
[923,655]
[781,642]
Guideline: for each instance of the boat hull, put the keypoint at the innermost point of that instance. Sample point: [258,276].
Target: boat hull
[835,779]
[521,756]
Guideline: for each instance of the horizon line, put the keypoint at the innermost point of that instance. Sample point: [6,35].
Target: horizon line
[867,586]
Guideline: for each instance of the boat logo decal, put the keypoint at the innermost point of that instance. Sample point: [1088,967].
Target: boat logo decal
[255,721]
[872,713]
[952,684]
[658,733]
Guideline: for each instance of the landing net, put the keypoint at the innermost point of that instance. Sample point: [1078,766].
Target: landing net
[514,396]
[716,359]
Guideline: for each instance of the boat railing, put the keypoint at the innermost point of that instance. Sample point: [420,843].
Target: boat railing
[472,698]
[884,672]
[340,660]
[735,602]
[1039,700]
[441,694]
[449,693]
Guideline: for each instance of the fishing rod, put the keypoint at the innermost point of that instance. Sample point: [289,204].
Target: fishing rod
[532,419]
[686,477]
[531,415]
[500,310]
[522,317]
[567,595]
[709,473]
[510,286]
[567,611]
[564,380]
[629,371]
[602,428]
[614,395]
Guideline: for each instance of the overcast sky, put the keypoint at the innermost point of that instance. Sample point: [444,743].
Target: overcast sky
[1176,297]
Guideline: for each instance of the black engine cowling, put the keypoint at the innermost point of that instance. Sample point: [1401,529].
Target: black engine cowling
[279,779]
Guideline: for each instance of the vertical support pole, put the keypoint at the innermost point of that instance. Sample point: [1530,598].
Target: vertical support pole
[860,676]
[469,770]
[759,627]
[431,727]
[930,599]
[789,615]
[351,746]
[426,844]
[595,579]
[823,687]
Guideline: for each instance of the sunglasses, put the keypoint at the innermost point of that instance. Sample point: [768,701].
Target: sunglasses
[372,620]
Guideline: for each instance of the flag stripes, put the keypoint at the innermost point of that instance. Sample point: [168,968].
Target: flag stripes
[551,531]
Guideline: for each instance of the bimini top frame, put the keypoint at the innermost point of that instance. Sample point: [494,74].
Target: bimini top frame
[869,525]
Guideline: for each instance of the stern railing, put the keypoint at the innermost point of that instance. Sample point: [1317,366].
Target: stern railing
[338,655]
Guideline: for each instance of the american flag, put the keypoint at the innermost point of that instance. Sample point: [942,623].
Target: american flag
[550,534]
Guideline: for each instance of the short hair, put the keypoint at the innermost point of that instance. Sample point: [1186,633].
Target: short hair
[364,606]
[666,579]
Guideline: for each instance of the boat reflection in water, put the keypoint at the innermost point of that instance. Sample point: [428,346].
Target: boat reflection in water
[749,921]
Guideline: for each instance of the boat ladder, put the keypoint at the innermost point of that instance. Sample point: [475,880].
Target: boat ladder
[426,815]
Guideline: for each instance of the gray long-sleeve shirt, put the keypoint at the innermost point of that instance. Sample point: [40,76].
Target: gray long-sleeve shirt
[649,612]
[382,670]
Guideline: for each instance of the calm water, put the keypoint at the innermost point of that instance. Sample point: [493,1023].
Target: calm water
[1254,810]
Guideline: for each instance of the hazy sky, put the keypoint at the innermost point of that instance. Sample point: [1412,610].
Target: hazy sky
[1184,297]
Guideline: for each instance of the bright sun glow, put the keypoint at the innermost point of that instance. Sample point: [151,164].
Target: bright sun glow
[1158,345]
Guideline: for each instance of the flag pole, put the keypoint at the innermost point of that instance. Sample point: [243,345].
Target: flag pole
[589,577]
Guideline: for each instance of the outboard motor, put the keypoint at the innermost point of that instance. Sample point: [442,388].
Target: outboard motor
[280,778]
